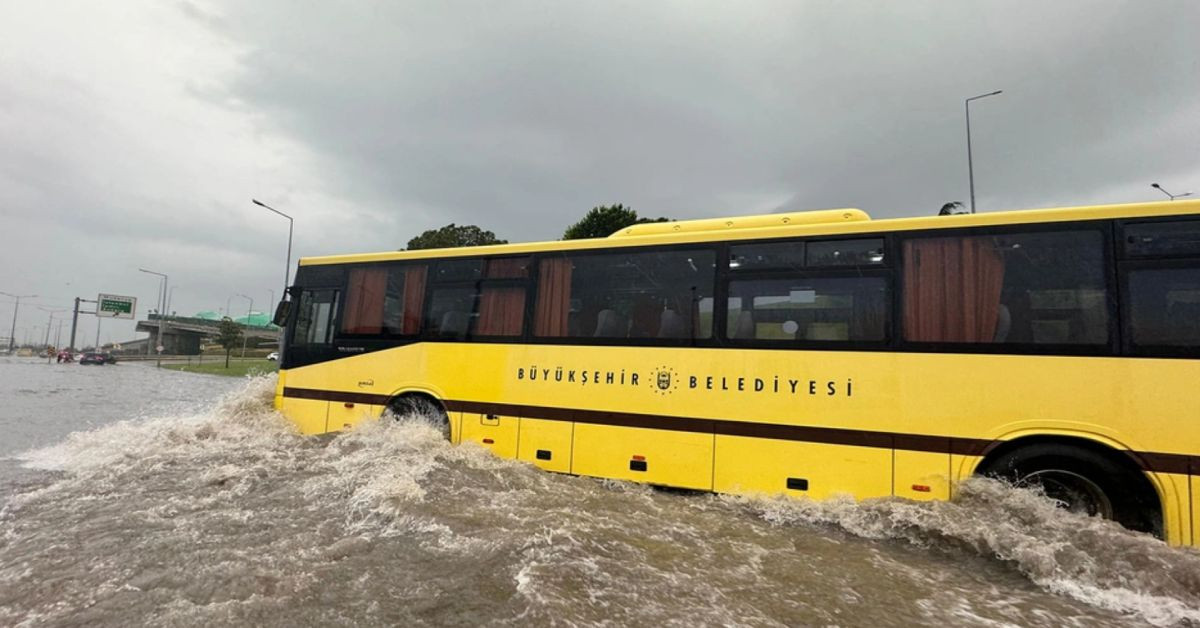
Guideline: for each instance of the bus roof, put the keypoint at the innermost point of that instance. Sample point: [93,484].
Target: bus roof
[793,224]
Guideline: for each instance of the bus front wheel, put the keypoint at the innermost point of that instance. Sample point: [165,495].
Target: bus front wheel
[1083,480]
[422,407]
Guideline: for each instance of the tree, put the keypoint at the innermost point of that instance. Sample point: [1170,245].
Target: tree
[606,220]
[952,208]
[229,334]
[453,235]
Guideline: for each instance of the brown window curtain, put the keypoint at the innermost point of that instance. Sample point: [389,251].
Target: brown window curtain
[364,301]
[511,268]
[551,316]
[414,298]
[501,311]
[952,289]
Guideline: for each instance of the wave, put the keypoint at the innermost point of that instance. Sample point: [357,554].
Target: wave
[228,515]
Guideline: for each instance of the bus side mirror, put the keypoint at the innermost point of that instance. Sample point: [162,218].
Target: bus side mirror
[281,313]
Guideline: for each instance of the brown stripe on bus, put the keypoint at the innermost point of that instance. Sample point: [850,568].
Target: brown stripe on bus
[1149,461]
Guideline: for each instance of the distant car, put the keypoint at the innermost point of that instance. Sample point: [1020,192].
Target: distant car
[93,358]
[273,356]
[109,358]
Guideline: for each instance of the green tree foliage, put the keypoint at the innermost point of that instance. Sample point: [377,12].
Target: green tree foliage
[453,235]
[229,334]
[952,208]
[606,220]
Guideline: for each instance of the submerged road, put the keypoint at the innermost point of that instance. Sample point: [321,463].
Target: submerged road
[133,495]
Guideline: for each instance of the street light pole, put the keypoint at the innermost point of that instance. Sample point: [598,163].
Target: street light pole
[287,268]
[12,335]
[970,165]
[49,324]
[1171,196]
[162,308]
[249,313]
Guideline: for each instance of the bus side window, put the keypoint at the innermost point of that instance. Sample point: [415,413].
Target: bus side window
[1036,288]
[1163,306]
[809,308]
[384,300]
[664,295]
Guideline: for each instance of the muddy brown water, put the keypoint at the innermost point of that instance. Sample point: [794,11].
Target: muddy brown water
[133,496]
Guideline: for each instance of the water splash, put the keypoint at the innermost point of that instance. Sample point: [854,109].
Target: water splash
[227,515]
[1086,558]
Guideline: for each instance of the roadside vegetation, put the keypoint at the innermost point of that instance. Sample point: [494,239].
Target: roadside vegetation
[236,368]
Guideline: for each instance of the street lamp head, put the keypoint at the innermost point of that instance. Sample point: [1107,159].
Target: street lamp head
[1155,186]
[258,202]
[999,91]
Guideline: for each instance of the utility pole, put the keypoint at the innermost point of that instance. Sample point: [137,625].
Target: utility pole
[249,313]
[12,335]
[74,324]
[162,321]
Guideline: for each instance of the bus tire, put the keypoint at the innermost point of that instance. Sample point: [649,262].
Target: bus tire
[423,407]
[1083,479]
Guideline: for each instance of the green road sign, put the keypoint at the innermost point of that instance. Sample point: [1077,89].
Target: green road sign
[114,306]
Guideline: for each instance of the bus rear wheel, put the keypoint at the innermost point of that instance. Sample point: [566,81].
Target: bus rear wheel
[421,407]
[1083,480]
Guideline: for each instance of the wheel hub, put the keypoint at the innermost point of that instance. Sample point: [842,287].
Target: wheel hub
[1073,492]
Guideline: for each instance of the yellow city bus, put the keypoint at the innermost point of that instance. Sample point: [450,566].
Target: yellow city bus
[808,354]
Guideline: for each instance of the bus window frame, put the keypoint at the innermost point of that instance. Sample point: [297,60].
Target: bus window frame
[1114,323]
[718,249]
[892,268]
[528,283]
[1122,224]
[389,339]
[1149,263]
[819,272]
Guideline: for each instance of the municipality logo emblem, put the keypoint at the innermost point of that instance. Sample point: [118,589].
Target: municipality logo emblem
[664,380]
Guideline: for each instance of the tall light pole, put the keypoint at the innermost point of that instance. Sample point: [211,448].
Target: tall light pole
[1172,196]
[970,165]
[287,268]
[12,335]
[249,313]
[162,306]
[49,324]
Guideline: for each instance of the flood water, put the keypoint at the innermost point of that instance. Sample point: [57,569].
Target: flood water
[137,496]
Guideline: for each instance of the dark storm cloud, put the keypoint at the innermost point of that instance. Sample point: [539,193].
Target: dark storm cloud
[135,134]
[533,112]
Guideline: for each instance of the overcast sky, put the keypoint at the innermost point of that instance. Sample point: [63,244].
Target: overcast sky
[134,133]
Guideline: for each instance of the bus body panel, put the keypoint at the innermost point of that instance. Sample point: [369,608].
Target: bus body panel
[770,467]
[546,444]
[493,431]
[652,456]
[1120,402]
[886,418]
[921,475]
